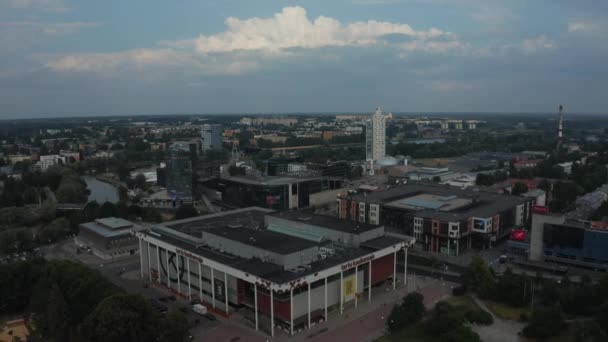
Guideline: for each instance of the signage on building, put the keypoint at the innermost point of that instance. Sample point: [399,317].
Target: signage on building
[518,235]
[539,209]
[188,255]
[357,262]
[220,294]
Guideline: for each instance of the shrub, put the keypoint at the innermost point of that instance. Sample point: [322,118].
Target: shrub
[479,317]
[544,323]
[459,290]
[523,317]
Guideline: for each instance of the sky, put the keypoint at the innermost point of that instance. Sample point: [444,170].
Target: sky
[117,57]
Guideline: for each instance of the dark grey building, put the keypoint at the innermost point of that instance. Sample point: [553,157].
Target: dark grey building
[179,171]
[211,137]
[110,237]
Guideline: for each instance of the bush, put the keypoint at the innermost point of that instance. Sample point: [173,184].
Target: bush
[479,317]
[523,317]
[544,323]
[444,318]
[460,334]
[409,311]
[459,290]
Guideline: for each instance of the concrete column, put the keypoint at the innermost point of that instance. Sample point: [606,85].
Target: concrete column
[394,269]
[212,287]
[341,293]
[271,312]
[325,299]
[149,266]
[255,305]
[226,290]
[189,284]
[141,260]
[369,289]
[200,283]
[356,284]
[168,270]
[291,310]
[405,267]
[179,283]
[309,305]
[158,263]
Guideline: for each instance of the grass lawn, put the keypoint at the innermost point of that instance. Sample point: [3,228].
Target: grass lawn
[506,312]
[464,303]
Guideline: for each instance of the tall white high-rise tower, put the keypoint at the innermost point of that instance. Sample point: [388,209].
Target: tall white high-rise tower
[375,136]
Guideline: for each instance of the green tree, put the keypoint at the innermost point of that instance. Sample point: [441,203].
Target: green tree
[57,318]
[140,181]
[460,334]
[174,328]
[602,317]
[411,310]
[151,215]
[519,188]
[54,231]
[185,211]
[121,318]
[443,319]
[91,211]
[234,170]
[108,209]
[544,323]
[479,278]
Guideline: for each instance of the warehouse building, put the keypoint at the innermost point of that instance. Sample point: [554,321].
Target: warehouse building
[442,219]
[285,269]
[276,192]
[109,237]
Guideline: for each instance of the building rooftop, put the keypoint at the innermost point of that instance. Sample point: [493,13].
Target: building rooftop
[246,226]
[262,238]
[111,227]
[481,203]
[271,181]
[329,222]
[430,201]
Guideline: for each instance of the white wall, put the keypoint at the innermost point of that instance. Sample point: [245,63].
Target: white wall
[317,295]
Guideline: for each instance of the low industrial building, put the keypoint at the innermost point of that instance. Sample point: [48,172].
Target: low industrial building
[281,269]
[441,218]
[109,238]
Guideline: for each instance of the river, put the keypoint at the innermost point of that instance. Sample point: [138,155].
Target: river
[101,191]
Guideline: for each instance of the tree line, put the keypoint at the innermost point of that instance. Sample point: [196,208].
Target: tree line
[65,301]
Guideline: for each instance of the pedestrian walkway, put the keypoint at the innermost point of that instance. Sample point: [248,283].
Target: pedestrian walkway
[500,331]
[366,323]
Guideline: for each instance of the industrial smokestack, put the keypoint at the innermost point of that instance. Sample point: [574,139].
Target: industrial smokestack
[560,128]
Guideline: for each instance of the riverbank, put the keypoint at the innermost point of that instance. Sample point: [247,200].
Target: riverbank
[102,189]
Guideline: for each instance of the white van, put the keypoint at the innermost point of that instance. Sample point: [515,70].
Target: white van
[199,309]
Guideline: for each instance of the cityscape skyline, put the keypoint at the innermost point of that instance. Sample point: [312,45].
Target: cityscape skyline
[64,58]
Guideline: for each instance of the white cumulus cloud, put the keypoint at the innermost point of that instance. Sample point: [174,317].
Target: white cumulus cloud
[48,5]
[248,43]
[579,26]
[291,28]
[536,44]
